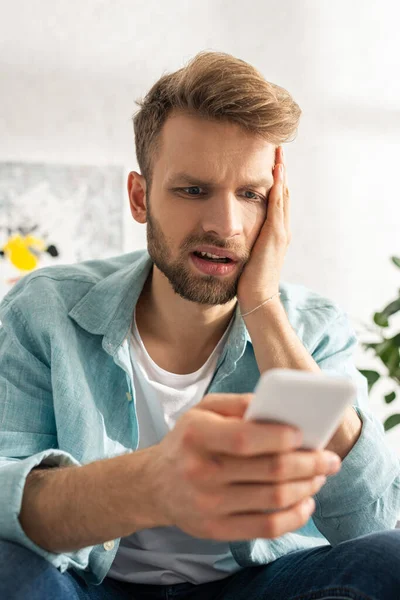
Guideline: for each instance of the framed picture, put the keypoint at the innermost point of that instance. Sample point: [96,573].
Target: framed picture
[57,214]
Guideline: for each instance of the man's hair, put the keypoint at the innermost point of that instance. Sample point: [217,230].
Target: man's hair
[218,86]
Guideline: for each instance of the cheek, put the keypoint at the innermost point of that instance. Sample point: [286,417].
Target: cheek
[175,224]
[175,211]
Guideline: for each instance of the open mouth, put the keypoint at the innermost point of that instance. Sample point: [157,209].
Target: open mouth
[212,257]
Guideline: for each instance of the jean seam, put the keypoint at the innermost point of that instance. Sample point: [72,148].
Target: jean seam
[310,595]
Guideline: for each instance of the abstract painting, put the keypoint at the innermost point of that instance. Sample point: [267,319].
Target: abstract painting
[57,214]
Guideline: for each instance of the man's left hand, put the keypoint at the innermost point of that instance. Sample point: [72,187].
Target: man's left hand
[261,275]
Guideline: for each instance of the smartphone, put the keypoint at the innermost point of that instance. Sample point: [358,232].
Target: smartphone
[312,402]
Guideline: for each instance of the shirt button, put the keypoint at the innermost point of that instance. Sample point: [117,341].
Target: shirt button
[129,396]
[108,545]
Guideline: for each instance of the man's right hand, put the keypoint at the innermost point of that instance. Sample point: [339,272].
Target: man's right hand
[215,475]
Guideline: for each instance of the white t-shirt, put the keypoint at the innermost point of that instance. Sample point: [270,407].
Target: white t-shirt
[168,555]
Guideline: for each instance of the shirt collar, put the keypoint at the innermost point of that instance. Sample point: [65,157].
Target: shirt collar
[108,307]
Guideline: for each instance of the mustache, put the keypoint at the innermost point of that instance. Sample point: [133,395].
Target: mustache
[197,240]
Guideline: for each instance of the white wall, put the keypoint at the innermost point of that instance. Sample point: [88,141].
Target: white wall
[70,72]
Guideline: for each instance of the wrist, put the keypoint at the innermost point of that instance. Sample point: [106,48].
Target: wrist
[139,473]
[153,468]
[260,303]
[346,434]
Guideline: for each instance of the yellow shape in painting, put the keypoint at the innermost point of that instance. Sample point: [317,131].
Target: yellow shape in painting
[23,251]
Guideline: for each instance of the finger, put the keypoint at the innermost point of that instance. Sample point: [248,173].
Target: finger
[229,405]
[286,203]
[256,497]
[282,161]
[286,466]
[275,170]
[251,526]
[275,158]
[214,433]
[279,155]
[278,174]
[275,198]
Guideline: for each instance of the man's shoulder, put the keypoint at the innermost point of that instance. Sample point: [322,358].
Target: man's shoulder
[298,297]
[310,312]
[58,288]
[301,297]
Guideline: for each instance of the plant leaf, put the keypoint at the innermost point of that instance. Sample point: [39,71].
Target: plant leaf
[396,261]
[384,350]
[396,376]
[381,319]
[394,361]
[390,397]
[391,421]
[372,377]
[389,310]
[396,340]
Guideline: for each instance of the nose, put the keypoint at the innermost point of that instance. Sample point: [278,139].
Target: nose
[223,215]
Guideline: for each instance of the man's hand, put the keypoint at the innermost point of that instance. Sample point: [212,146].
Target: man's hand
[215,475]
[261,275]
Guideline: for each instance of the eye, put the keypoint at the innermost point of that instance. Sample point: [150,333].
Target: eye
[255,196]
[193,187]
[194,190]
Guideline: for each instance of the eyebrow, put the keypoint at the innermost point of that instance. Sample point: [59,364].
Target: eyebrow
[187,178]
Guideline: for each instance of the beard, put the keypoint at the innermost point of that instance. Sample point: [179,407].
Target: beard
[203,289]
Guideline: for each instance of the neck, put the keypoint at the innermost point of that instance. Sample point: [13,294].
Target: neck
[163,315]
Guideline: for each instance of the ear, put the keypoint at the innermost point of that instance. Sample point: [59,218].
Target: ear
[137,196]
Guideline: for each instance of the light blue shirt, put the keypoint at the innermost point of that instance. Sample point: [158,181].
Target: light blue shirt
[66,398]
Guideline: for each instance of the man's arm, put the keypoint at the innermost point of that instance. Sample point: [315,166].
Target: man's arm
[68,508]
[364,496]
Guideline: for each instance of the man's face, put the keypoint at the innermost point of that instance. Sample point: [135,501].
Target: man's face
[220,205]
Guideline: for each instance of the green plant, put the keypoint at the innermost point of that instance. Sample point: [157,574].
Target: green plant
[388,351]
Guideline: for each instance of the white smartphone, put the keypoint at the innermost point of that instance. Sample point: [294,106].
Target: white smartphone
[312,402]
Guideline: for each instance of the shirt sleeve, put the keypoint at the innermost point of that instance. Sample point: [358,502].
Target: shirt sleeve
[28,433]
[364,496]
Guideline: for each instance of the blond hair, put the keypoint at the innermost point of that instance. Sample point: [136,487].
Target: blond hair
[214,85]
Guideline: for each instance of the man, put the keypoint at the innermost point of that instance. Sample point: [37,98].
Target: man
[132,375]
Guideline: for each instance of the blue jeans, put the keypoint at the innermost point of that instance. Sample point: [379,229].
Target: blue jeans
[364,568]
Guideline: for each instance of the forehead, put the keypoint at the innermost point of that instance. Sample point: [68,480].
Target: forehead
[212,150]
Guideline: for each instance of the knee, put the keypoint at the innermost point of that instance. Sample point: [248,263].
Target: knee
[25,574]
[380,546]
[378,555]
